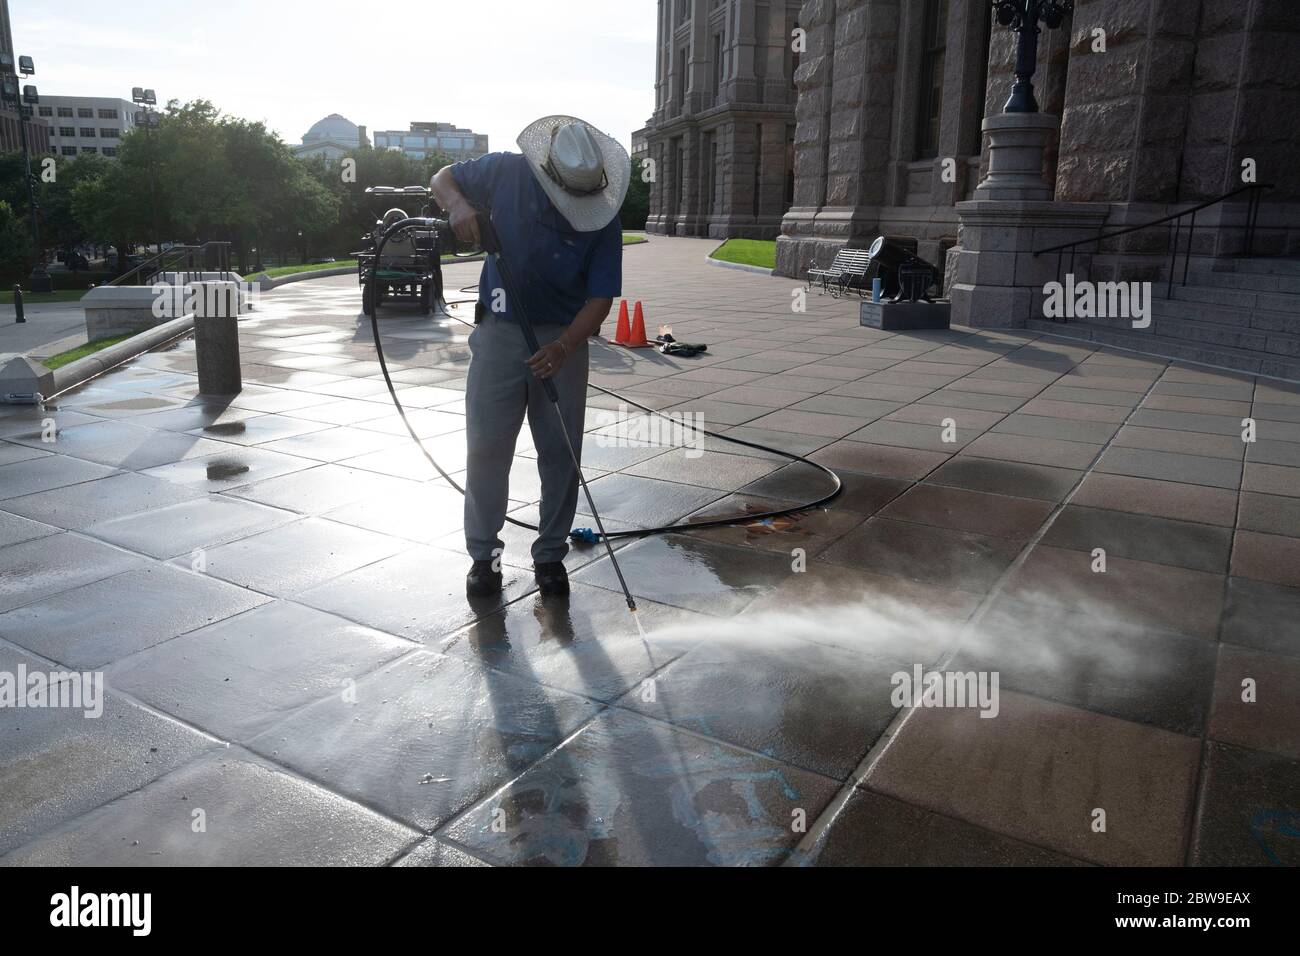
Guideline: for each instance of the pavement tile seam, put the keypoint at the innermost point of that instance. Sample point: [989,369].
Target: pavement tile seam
[443,841]
[233,750]
[414,650]
[271,598]
[807,854]
[895,727]
[64,590]
[150,560]
[442,831]
[599,708]
[1191,793]
[1200,776]
[908,345]
[215,544]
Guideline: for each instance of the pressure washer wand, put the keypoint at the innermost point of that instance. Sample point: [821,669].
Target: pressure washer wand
[492,246]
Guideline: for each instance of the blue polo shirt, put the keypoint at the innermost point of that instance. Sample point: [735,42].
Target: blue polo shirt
[555,268]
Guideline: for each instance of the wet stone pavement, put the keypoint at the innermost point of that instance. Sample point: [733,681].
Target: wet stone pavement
[272,589]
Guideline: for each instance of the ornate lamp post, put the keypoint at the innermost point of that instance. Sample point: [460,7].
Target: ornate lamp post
[1023,16]
[1015,202]
[148,119]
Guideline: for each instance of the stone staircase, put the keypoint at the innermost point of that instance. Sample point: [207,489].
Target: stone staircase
[1242,314]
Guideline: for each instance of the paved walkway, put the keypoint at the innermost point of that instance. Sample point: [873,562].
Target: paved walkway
[51,328]
[274,591]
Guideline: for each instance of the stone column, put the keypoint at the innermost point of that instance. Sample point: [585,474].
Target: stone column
[776,85]
[745,75]
[216,337]
[794,251]
[692,218]
[655,222]
[699,89]
[862,94]
[960,131]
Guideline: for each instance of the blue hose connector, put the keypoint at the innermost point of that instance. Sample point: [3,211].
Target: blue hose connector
[585,536]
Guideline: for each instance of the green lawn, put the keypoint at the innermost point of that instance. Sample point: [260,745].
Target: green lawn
[749,252]
[629,239]
[81,351]
[307,267]
[30,298]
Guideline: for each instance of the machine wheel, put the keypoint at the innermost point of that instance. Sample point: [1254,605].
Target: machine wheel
[426,298]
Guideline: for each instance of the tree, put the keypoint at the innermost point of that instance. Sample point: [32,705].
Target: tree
[201,175]
[61,226]
[636,207]
[15,244]
[13,187]
[113,208]
[357,212]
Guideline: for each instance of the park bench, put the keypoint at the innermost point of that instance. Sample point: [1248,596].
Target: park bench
[848,272]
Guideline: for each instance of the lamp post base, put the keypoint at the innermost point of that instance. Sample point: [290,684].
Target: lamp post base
[1016,143]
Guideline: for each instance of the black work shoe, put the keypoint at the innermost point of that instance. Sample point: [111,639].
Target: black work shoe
[552,578]
[483,580]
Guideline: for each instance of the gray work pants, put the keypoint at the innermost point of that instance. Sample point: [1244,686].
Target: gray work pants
[501,388]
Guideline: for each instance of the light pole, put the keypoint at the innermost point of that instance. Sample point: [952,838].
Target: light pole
[1023,16]
[148,119]
[23,105]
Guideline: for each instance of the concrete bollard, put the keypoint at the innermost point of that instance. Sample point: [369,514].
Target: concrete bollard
[216,337]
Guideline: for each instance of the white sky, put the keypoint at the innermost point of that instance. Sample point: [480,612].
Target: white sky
[490,65]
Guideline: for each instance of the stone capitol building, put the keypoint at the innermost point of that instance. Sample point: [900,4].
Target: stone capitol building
[827,123]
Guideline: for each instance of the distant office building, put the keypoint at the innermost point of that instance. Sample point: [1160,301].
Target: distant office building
[333,137]
[423,139]
[38,133]
[86,124]
[641,144]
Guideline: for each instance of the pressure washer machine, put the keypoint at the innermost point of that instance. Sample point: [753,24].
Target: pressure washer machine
[407,267]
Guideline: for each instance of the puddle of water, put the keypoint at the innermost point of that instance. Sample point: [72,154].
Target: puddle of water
[226,428]
[134,404]
[225,470]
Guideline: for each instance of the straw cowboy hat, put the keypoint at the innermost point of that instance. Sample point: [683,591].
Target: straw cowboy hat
[584,172]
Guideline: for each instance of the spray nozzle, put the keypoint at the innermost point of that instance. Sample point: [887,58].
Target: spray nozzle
[585,536]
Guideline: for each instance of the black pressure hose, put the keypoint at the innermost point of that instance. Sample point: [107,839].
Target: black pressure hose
[584,535]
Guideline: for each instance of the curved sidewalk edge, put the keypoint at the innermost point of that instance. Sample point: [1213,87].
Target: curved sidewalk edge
[758,270]
[83,369]
[265,284]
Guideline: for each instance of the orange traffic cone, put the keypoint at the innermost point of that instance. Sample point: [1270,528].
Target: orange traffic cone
[623,334]
[638,340]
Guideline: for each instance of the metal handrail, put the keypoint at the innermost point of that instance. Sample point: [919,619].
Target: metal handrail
[159,258]
[158,263]
[1252,221]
